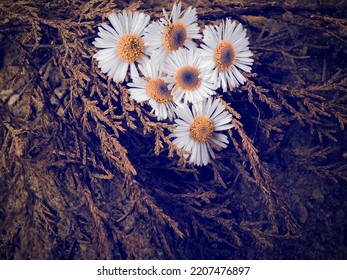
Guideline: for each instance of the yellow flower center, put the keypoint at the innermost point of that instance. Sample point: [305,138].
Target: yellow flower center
[130,48]
[201,129]
[157,90]
[175,36]
[187,78]
[224,56]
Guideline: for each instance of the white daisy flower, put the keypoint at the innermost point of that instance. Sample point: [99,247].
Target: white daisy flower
[197,131]
[122,44]
[186,76]
[175,31]
[226,51]
[153,89]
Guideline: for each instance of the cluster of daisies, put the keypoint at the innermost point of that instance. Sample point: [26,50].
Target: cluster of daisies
[174,75]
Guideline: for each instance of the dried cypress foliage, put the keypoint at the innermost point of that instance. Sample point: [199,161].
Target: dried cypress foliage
[88,173]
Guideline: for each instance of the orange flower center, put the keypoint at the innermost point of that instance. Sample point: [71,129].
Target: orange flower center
[157,90]
[224,56]
[187,78]
[201,129]
[130,48]
[175,36]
